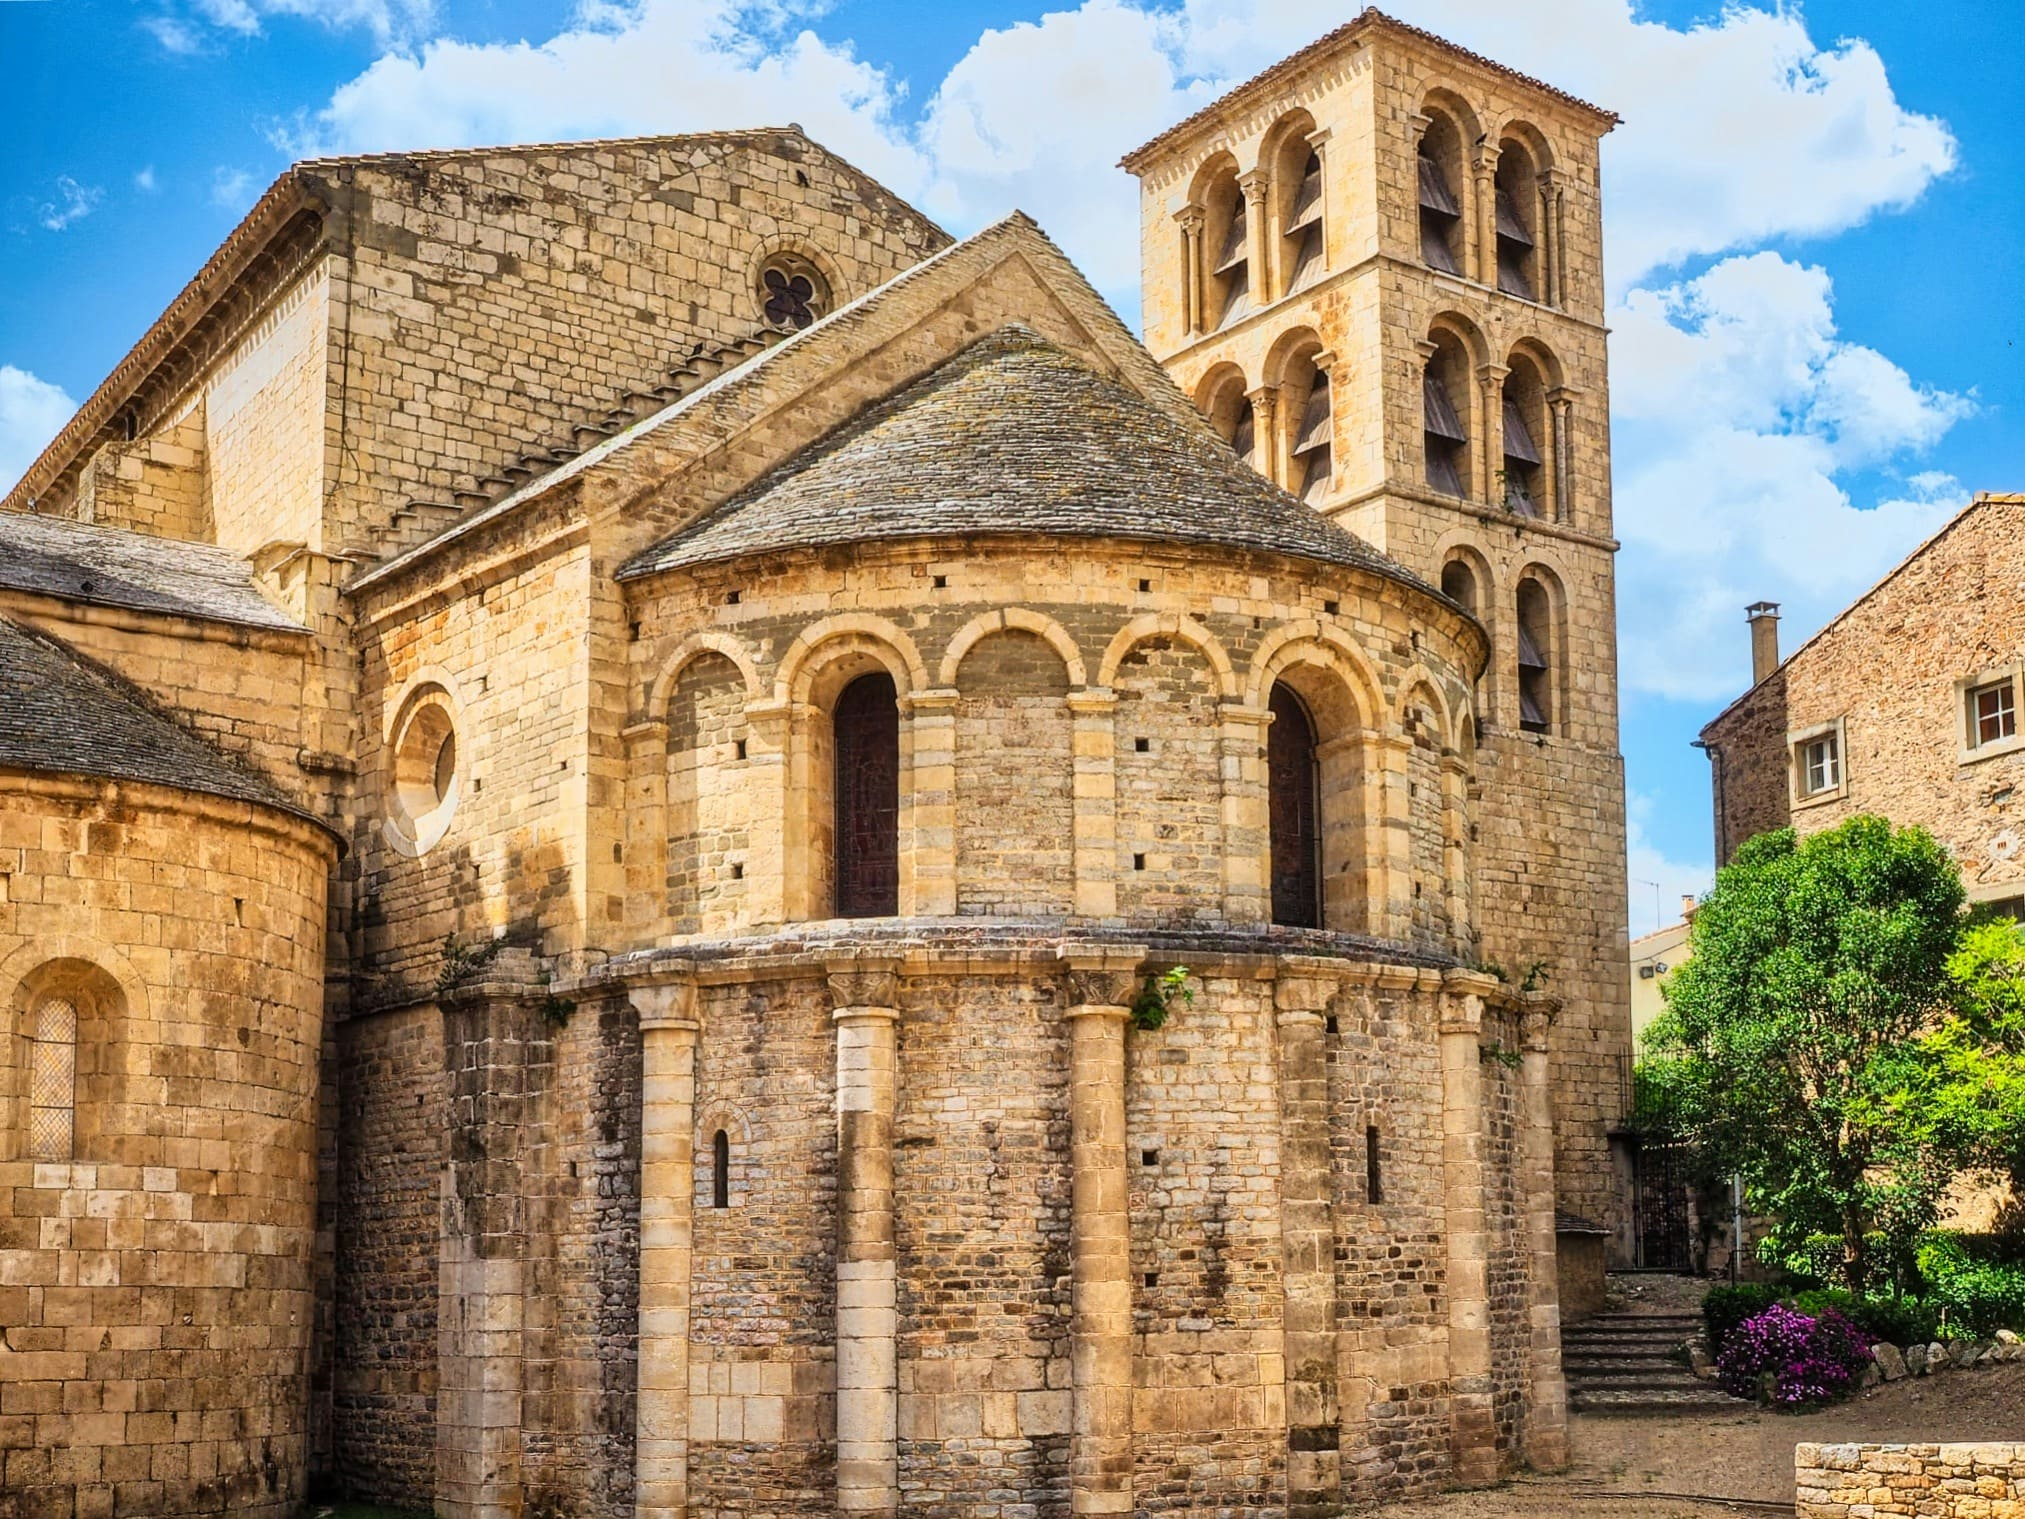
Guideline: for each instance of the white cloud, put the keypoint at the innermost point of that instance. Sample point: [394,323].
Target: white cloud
[1656,881]
[144,181]
[1737,408]
[72,203]
[183,31]
[31,413]
[231,188]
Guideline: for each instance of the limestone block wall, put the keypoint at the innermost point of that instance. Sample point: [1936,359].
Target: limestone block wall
[157,1207]
[579,270]
[154,484]
[1888,669]
[262,409]
[1967,1481]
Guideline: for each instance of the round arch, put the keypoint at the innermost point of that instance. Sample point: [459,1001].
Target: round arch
[1169,625]
[848,634]
[687,653]
[1012,620]
[1310,643]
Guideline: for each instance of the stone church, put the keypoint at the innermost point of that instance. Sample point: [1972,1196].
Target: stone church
[671,847]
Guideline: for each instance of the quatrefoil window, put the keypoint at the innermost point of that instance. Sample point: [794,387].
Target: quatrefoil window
[792,294]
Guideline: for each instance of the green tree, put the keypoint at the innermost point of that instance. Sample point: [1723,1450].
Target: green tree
[1819,970]
[1971,1082]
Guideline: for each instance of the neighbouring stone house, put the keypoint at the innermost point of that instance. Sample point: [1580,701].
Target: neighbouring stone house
[603,739]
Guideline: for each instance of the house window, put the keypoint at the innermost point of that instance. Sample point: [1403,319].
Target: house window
[1296,834]
[1820,764]
[866,724]
[1993,713]
[52,1079]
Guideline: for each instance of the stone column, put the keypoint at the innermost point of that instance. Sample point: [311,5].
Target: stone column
[1483,213]
[1308,1245]
[1455,784]
[1546,1439]
[1093,711]
[1473,1426]
[866,992]
[1265,430]
[1100,984]
[1491,411]
[1550,237]
[775,828]
[669,1030]
[1560,421]
[1190,219]
[928,869]
[1247,817]
[1253,183]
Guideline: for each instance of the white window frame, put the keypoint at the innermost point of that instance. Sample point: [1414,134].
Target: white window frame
[1965,694]
[1798,742]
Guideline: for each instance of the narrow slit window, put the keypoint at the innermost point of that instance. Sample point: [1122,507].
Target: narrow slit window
[1374,1177]
[720,1169]
[52,1083]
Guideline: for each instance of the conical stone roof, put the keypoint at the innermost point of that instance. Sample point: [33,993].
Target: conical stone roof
[1013,436]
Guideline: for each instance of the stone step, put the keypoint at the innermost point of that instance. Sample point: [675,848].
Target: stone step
[1673,1379]
[1695,1398]
[1575,1365]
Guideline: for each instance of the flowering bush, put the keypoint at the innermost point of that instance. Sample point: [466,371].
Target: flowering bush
[1785,1358]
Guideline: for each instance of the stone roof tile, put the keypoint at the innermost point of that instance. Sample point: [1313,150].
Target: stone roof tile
[1014,436]
[113,567]
[62,715]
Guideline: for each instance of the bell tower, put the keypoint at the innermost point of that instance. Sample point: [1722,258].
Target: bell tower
[1377,269]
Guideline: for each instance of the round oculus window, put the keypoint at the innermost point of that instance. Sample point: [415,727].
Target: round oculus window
[424,793]
[792,292]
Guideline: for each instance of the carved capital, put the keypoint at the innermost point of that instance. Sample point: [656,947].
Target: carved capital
[863,981]
[1100,978]
[1462,1013]
[1534,1027]
[1254,182]
[1190,219]
[1265,401]
[667,1002]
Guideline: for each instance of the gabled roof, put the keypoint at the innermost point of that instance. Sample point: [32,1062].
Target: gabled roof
[1365,22]
[63,715]
[109,566]
[1013,436]
[1984,500]
[301,191]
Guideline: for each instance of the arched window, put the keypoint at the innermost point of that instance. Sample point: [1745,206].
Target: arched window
[1441,219]
[1298,187]
[1304,389]
[1444,438]
[1223,400]
[1459,584]
[1294,813]
[1227,247]
[720,1169]
[1517,203]
[1535,657]
[866,728]
[1524,416]
[52,1079]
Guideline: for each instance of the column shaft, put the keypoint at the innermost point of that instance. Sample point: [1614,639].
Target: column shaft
[1094,781]
[868,1369]
[1308,1250]
[1473,1425]
[1546,1446]
[668,1039]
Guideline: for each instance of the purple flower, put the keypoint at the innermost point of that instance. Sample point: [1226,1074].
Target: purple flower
[1785,1358]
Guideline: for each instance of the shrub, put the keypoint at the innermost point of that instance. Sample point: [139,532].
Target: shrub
[1724,1308]
[1783,1357]
[1980,1295]
[1901,1321]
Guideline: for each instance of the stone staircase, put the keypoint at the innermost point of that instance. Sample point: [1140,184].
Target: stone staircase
[422,518]
[1630,1363]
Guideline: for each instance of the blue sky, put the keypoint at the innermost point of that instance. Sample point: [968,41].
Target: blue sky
[1812,216]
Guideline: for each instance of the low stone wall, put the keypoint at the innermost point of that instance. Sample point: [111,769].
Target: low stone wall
[1984,1481]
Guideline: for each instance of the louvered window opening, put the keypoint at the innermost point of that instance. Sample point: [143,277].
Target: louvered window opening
[1244,432]
[1294,820]
[1522,463]
[52,1080]
[866,725]
[1533,675]
[1439,216]
[1442,438]
[1233,267]
[1312,443]
[1304,226]
[1514,244]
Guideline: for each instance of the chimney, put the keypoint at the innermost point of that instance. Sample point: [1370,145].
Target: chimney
[1764,619]
[1687,906]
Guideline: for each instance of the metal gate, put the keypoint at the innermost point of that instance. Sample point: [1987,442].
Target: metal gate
[1660,1211]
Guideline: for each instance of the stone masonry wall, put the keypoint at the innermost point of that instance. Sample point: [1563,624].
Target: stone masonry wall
[1971,1481]
[1888,669]
[1012,733]
[155,1270]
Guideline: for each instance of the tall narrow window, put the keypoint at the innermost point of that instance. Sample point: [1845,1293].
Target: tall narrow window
[866,724]
[1374,1179]
[1536,699]
[1442,437]
[720,1170]
[1440,215]
[1244,434]
[1232,265]
[1295,824]
[1522,462]
[52,1079]
[1516,193]
[1304,226]
[1312,439]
